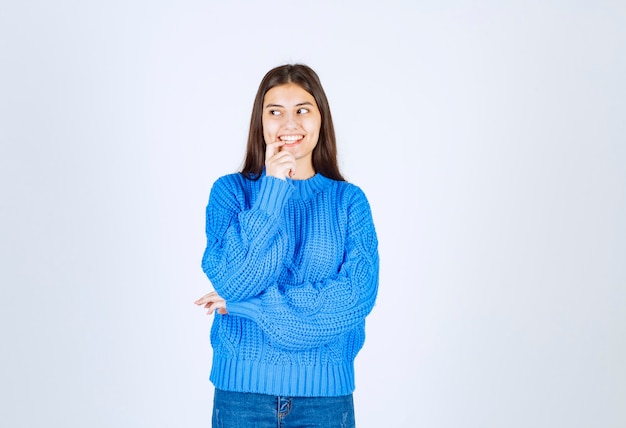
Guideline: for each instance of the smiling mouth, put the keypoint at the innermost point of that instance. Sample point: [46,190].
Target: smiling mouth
[291,139]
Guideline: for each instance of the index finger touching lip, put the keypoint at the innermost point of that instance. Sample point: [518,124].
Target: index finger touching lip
[272,148]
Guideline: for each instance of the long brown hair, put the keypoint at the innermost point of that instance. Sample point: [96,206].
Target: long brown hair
[324,156]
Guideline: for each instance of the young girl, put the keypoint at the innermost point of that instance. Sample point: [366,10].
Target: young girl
[293,256]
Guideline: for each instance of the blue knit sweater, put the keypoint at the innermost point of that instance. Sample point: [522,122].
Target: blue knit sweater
[297,263]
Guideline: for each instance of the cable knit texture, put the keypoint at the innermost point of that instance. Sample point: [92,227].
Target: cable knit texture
[297,262]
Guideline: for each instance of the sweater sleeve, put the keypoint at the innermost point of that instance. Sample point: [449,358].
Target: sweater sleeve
[245,247]
[312,314]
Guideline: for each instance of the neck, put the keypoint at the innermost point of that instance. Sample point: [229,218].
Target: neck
[304,171]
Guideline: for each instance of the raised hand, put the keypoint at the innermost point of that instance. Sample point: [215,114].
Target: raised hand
[279,163]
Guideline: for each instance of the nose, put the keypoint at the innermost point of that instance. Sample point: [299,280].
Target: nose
[291,121]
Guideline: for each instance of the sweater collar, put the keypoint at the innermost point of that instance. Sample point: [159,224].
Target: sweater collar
[306,189]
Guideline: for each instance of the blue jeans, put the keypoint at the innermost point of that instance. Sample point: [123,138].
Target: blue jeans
[246,410]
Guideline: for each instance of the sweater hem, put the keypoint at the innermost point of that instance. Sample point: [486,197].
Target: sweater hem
[322,380]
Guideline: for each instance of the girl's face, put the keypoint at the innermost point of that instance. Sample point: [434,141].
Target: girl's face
[290,115]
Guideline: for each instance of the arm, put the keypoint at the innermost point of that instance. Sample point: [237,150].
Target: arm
[312,314]
[245,247]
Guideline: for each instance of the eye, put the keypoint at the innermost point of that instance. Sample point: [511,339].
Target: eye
[274,113]
[303,110]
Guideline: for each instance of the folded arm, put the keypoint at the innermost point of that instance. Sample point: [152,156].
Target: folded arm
[312,314]
[245,247]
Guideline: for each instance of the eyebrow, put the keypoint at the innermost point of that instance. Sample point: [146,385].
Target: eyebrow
[305,103]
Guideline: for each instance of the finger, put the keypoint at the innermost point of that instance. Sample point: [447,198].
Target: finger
[206,298]
[282,160]
[283,156]
[210,309]
[279,165]
[201,301]
[220,304]
[216,300]
[272,148]
[213,301]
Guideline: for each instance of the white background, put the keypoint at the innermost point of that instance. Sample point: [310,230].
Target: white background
[488,136]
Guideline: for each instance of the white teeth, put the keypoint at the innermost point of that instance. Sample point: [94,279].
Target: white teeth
[290,137]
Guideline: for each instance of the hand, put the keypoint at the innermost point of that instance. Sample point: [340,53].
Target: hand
[212,301]
[279,164]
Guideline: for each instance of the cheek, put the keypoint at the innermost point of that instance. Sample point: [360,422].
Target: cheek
[269,128]
[313,126]
[267,134]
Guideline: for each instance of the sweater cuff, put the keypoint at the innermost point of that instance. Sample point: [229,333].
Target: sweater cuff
[273,194]
[246,309]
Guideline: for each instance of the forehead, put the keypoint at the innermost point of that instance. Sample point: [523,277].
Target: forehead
[288,94]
